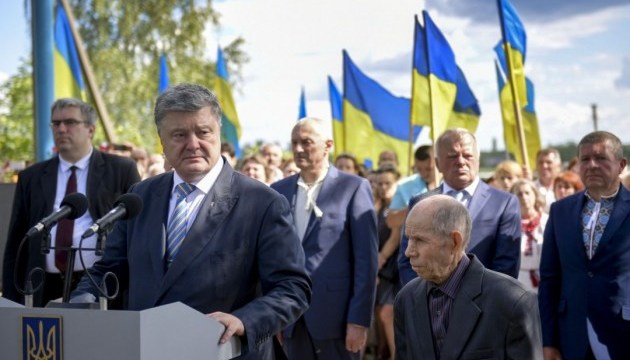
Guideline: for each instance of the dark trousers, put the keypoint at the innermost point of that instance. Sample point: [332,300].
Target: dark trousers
[301,346]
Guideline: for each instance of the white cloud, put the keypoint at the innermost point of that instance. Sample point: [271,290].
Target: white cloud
[299,43]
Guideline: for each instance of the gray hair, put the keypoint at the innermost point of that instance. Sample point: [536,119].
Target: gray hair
[452,136]
[450,215]
[320,127]
[598,137]
[87,111]
[187,98]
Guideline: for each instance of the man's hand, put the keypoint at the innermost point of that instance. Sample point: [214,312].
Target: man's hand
[551,353]
[356,337]
[233,325]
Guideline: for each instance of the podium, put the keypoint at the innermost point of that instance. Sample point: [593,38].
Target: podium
[173,331]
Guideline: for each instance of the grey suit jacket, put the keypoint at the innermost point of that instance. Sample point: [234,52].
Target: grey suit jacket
[493,317]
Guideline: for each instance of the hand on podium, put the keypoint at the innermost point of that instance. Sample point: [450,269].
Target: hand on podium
[233,325]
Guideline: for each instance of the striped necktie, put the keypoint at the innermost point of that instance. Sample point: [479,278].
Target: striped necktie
[177,227]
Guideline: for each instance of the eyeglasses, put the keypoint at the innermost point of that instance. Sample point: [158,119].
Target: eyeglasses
[67,122]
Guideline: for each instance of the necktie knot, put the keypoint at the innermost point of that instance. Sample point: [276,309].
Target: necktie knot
[459,195]
[184,189]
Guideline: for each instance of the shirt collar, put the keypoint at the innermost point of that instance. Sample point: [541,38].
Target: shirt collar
[205,184]
[470,189]
[451,285]
[603,198]
[82,164]
[319,180]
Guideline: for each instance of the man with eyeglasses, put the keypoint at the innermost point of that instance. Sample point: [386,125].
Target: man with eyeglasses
[78,167]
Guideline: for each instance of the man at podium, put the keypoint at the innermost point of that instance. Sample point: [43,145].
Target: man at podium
[208,236]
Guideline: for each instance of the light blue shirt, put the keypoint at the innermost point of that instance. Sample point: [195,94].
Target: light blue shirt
[407,188]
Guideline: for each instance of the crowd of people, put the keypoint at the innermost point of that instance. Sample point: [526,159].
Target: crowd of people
[319,258]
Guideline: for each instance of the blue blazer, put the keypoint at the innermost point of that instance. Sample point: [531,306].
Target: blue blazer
[242,242]
[495,238]
[572,287]
[341,251]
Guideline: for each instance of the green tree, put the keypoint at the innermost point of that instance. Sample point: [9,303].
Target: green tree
[124,41]
[16,115]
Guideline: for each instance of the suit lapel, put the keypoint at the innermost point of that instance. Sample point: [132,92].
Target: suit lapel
[478,201]
[325,193]
[48,183]
[160,196]
[465,312]
[620,213]
[96,173]
[213,210]
[420,316]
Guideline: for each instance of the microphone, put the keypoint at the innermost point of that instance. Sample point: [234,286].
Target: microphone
[126,207]
[72,206]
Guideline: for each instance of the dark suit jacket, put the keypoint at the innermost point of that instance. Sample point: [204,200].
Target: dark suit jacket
[240,243]
[493,317]
[572,287]
[496,231]
[109,176]
[341,251]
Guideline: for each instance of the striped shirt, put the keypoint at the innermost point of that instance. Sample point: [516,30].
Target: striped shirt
[440,301]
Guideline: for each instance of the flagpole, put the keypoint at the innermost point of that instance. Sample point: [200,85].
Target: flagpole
[513,90]
[413,86]
[431,108]
[89,75]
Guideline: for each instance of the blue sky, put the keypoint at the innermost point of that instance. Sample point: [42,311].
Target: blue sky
[577,55]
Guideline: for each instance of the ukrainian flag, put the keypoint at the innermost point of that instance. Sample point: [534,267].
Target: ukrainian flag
[302,110]
[230,128]
[466,111]
[68,76]
[163,83]
[374,119]
[514,42]
[530,121]
[336,108]
[436,97]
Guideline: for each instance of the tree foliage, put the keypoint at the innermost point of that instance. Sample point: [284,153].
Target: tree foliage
[16,115]
[124,41]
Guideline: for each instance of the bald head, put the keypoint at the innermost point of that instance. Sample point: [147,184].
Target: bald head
[438,229]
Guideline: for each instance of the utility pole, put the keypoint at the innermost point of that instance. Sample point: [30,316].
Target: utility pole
[594,107]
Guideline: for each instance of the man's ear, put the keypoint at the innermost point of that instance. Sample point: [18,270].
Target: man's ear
[457,240]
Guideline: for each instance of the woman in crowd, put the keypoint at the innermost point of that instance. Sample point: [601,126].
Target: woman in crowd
[389,239]
[533,220]
[506,174]
[567,183]
[255,167]
[348,163]
[289,168]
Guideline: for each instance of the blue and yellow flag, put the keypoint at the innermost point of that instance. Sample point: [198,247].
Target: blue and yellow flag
[436,81]
[302,110]
[68,75]
[515,42]
[231,127]
[163,83]
[374,119]
[530,121]
[466,111]
[336,110]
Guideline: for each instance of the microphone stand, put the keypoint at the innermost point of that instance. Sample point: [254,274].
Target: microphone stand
[67,279]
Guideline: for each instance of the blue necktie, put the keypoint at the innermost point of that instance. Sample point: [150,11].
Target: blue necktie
[176,231]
